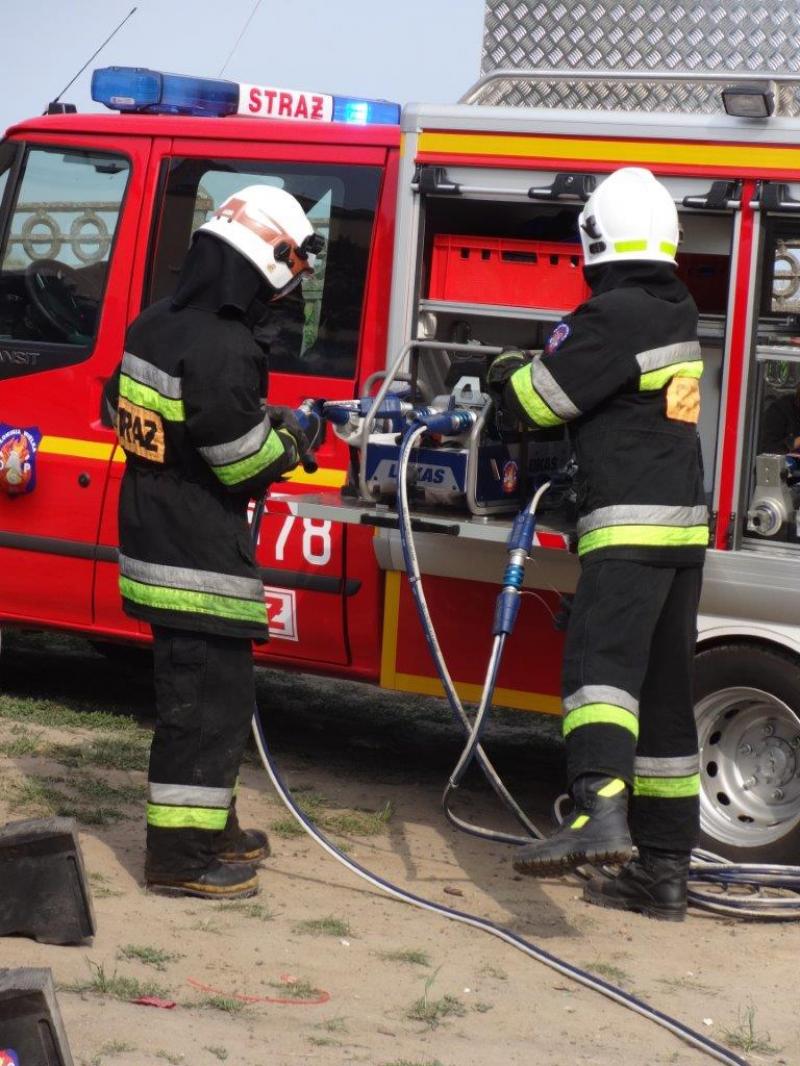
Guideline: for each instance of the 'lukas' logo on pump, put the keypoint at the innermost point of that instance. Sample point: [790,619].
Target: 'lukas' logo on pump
[8,1057]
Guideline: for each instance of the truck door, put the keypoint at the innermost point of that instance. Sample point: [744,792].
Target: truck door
[67,229]
[313,338]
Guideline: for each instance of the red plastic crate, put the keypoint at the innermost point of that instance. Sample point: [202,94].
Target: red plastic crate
[499,270]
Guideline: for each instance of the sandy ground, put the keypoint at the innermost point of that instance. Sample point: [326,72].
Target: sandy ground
[400,986]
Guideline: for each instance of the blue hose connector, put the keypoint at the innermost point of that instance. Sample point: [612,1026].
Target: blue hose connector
[505,612]
[521,535]
[448,423]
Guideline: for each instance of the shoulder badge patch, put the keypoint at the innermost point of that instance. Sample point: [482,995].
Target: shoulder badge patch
[557,338]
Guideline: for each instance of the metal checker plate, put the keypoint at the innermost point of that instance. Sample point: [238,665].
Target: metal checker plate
[637,34]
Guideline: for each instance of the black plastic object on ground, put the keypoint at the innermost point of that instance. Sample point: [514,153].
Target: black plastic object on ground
[44,890]
[31,1030]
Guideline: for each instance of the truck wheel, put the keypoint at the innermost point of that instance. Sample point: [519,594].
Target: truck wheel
[747,709]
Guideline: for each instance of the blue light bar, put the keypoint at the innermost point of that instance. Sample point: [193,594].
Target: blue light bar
[365,112]
[149,91]
[136,89]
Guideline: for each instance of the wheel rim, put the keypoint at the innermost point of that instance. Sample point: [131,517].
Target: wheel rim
[749,767]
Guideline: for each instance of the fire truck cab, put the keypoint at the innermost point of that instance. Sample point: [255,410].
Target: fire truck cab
[455,225]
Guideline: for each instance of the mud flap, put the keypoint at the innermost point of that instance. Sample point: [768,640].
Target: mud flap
[45,894]
[31,1030]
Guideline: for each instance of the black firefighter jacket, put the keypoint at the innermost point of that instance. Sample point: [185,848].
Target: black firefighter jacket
[623,371]
[199,445]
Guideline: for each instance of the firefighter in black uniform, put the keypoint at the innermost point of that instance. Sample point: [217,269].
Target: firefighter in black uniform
[200,444]
[622,371]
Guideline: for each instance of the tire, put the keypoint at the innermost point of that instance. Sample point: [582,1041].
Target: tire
[747,709]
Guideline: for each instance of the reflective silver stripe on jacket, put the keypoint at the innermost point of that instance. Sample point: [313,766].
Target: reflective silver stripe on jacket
[676,766]
[551,392]
[644,514]
[655,358]
[189,795]
[241,448]
[147,374]
[587,694]
[181,577]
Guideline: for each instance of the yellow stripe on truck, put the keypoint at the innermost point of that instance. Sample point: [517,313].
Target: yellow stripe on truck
[74,447]
[764,157]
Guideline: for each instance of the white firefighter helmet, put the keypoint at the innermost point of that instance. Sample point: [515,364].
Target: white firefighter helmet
[629,216]
[269,227]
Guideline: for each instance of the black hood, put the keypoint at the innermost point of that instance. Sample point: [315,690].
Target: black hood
[215,277]
[659,279]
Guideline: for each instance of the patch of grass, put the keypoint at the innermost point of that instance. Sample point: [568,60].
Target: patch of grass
[417,1062]
[149,956]
[745,1037]
[20,744]
[297,990]
[101,886]
[407,955]
[609,971]
[359,823]
[218,1052]
[345,821]
[129,752]
[52,713]
[688,984]
[95,788]
[494,971]
[39,796]
[257,911]
[482,1007]
[286,828]
[222,1003]
[117,986]
[328,926]
[333,1025]
[324,1041]
[174,1060]
[432,1012]
[116,1047]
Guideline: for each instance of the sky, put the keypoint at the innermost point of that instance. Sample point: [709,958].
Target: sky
[403,50]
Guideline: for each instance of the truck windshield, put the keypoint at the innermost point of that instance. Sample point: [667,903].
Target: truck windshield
[57,230]
[315,329]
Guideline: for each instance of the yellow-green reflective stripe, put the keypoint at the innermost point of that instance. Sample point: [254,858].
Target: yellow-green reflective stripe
[144,396]
[644,537]
[669,249]
[580,821]
[242,469]
[186,817]
[535,407]
[167,599]
[667,787]
[601,714]
[657,379]
[613,788]
[630,246]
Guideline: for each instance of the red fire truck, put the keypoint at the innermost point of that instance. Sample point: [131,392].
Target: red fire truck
[448,226]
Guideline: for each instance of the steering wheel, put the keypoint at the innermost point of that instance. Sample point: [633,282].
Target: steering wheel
[52,290]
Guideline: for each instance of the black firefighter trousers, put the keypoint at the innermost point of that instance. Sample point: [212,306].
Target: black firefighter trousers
[205,694]
[627,693]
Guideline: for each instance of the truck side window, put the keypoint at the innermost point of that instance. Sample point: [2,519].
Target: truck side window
[57,240]
[314,330]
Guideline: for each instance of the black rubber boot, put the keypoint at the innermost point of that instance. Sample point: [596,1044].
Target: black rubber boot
[220,881]
[654,884]
[596,831]
[241,845]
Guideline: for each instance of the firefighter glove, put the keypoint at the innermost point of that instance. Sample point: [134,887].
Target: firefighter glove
[503,366]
